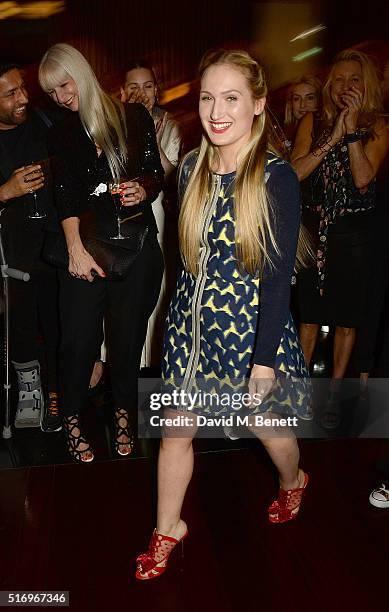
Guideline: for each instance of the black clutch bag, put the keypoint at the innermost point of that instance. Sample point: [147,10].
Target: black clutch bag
[115,257]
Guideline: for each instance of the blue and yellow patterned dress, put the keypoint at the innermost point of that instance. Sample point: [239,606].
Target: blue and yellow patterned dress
[223,321]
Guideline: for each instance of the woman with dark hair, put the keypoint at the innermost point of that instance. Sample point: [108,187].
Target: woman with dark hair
[140,85]
[229,318]
[341,154]
[101,144]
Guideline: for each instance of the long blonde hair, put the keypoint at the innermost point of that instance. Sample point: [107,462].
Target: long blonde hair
[372,96]
[306,79]
[102,117]
[253,213]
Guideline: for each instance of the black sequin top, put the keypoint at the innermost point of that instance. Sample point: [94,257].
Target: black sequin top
[79,170]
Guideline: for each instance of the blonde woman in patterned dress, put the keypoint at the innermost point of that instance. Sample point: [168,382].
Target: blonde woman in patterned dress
[238,230]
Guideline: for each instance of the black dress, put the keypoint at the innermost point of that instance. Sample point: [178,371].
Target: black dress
[339,219]
[124,305]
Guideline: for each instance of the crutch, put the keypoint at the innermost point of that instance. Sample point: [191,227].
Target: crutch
[7,273]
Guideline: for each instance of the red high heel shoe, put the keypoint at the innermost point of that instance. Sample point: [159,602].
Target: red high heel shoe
[287,506]
[153,563]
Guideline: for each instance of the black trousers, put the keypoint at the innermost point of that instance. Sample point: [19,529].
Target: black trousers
[34,307]
[125,306]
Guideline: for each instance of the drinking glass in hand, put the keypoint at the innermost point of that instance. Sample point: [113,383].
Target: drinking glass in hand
[115,191]
[36,213]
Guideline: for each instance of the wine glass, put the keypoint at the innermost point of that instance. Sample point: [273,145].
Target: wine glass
[115,191]
[36,213]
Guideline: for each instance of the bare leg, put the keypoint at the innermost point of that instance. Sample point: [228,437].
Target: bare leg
[343,345]
[285,454]
[175,468]
[283,451]
[308,337]
[281,444]
[97,373]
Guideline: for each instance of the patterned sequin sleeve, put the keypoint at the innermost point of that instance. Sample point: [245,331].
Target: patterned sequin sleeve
[284,192]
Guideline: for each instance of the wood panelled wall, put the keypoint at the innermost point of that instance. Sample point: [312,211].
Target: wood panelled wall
[171,34]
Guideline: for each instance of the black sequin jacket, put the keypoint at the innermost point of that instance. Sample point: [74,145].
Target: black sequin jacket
[78,170]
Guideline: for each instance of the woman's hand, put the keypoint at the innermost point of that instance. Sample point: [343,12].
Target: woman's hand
[339,128]
[82,265]
[131,193]
[137,95]
[260,384]
[353,101]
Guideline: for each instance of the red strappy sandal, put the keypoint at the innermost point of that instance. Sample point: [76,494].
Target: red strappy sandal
[153,563]
[287,506]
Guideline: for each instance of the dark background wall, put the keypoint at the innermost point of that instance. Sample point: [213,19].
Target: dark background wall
[173,34]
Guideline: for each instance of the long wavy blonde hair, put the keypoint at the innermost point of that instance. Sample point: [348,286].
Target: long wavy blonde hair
[102,116]
[254,227]
[372,96]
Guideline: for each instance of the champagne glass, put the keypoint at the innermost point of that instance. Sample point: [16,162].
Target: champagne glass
[115,191]
[36,213]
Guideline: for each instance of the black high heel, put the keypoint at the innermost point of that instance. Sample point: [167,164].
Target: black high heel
[71,423]
[121,415]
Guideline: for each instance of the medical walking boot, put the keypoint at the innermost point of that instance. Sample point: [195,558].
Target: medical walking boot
[30,402]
